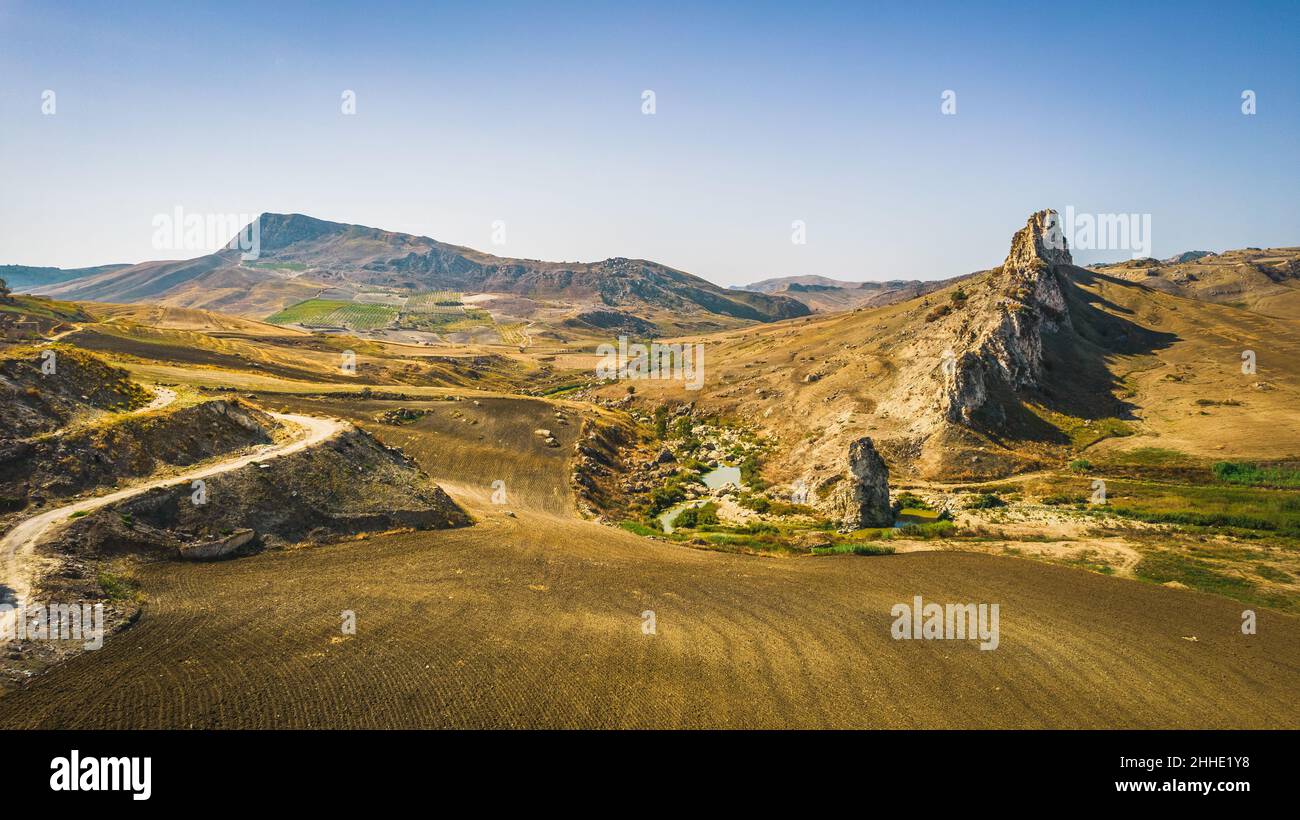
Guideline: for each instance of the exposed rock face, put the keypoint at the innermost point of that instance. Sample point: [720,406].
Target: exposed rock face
[218,549]
[861,499]
[1005,339]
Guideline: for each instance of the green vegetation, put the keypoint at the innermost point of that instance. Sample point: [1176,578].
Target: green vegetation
[910,501]
[1163,566]
[117,587]
[1241,508]
[1153,457]
[335,313]
[1080,431]
[1252,475]
[985,501]
[854,549]
[692,517]
[637,528]
[749,472]
[293,266]
[924,532]
[1081,465]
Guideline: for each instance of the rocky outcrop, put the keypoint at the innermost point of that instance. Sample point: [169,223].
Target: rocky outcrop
[227,547]
[1002,335]
[861,498]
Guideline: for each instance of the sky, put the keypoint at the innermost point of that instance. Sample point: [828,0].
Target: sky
[526,124]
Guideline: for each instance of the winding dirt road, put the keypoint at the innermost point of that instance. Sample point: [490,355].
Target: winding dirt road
[17,545]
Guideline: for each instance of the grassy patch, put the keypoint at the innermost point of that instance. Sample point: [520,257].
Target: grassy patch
[854,549]
[1253,475]
[1163,567]
[637,528]
[117,587]
[1083,432]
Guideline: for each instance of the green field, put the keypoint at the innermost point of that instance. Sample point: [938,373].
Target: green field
[335,313]
[436,301]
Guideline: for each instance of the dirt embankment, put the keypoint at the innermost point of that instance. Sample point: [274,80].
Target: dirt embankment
[601,464]
[350,484]
[102,455]
[44,388]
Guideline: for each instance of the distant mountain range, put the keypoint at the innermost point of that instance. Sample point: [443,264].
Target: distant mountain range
[25,277]
[824,295]
[300,256]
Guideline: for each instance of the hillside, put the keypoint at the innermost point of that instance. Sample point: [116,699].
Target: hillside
[1025,366]
[301,256]
[22,278]
[1265,280]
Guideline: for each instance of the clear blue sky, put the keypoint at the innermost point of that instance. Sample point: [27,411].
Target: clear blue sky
[766,113]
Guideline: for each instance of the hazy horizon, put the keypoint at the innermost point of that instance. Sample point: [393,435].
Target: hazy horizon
[764,115]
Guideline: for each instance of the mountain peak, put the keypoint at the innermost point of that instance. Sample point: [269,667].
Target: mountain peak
[1039,242]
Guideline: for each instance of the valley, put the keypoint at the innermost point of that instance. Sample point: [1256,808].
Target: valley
[1080,447]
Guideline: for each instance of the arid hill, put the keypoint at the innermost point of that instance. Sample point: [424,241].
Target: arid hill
[349,485]
[1025,366]
[301,255]
[1265,280]
[45,388]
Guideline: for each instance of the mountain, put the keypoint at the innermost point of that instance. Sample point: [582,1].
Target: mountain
[22,278]
[1264,280]
[825,295]
[300,256]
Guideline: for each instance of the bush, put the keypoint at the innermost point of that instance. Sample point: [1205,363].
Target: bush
[909,501]
[938,313]
[757,503]
[1081,465]
[697,516]
[985,501]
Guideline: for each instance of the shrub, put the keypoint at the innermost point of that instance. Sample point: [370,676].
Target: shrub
[1081,465]
[910,501]
[697,516]
[985,501]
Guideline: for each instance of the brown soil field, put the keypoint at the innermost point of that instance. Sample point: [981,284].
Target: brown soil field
[535,621]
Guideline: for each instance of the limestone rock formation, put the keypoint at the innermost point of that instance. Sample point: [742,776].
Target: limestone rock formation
[861,498]
[1006,342]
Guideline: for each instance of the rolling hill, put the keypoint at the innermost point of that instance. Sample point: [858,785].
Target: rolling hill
[300,256]
[1265,280]
[1022,367]
[22,278]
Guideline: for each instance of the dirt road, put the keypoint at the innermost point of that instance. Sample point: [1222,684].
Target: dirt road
[17,544]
